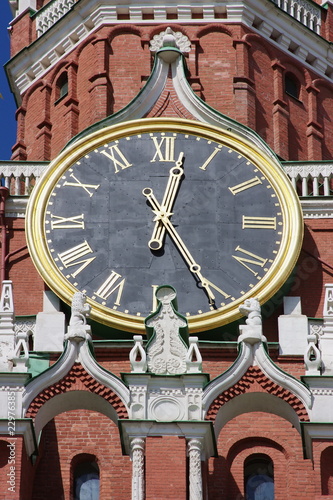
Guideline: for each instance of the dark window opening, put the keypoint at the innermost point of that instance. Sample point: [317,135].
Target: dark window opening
[86,481]
[62,86]
[259,478]
[291,86]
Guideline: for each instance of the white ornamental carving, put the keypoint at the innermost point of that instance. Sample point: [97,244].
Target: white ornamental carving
[138,459]
[194,453]
[166,352]
[169,38]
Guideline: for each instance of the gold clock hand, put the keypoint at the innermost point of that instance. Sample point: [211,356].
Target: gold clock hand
[192,265]
[171,189]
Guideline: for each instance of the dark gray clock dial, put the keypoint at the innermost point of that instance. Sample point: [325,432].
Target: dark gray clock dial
[226,216]
[164,202]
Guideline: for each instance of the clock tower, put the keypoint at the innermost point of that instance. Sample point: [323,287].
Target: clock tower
[165,317]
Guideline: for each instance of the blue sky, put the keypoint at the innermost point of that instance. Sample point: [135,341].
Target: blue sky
[7,102]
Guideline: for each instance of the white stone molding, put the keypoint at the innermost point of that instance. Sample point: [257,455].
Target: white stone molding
[166,351]
[87,16]
[165,398]
[138,358]
[194,447]
[137,445]
[170,38]
[193,357]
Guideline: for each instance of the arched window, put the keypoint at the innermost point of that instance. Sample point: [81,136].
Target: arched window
[326,467]
[259,478]
[62,86]
[291,85]
[86,481]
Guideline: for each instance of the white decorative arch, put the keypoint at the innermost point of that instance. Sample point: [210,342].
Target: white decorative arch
[75,352]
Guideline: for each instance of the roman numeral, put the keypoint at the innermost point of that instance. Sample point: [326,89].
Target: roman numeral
[76,222]
[72,257]
[258,222]
[209,159]
[112,284]
[117,157]
[254,259]
[83,186]
[165,149]
[245,185]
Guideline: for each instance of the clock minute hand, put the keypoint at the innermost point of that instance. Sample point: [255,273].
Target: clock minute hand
[193,266]
[171,189]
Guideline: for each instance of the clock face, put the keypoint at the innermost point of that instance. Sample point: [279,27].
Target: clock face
[164,202]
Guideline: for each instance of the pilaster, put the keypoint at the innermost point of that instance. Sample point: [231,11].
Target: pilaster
[245,103]
[280,112]
[314,130]
[100,90]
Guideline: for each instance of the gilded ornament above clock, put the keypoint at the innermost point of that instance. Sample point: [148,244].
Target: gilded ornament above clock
[164,201]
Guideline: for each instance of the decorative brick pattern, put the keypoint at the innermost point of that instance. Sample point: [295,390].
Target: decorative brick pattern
[254,380]
[77,379]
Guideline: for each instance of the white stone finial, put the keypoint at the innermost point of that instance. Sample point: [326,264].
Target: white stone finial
[326,339]
[251,332]
[78,330]
[193,357]
[7,332]
[138,358]
[20,356]
[170,38]
[166,351]
[312,356]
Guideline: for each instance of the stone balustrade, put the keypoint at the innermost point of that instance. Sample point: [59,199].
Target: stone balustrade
[304,11]
[20,176]
[51,13]
[310,179]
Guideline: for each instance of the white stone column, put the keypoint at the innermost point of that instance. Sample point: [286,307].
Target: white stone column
[194,447]
[138,469]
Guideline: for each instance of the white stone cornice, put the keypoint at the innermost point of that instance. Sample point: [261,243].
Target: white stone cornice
[86,16]
[315,431]
[23,426]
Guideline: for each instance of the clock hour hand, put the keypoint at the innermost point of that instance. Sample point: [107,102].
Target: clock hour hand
[175,174]
[192,265]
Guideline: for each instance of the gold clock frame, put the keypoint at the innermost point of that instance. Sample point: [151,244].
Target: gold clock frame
[276,276]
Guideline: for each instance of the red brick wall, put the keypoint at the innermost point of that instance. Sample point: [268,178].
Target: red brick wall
[73,433]
[165,468]
[113,63]
[271,435]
